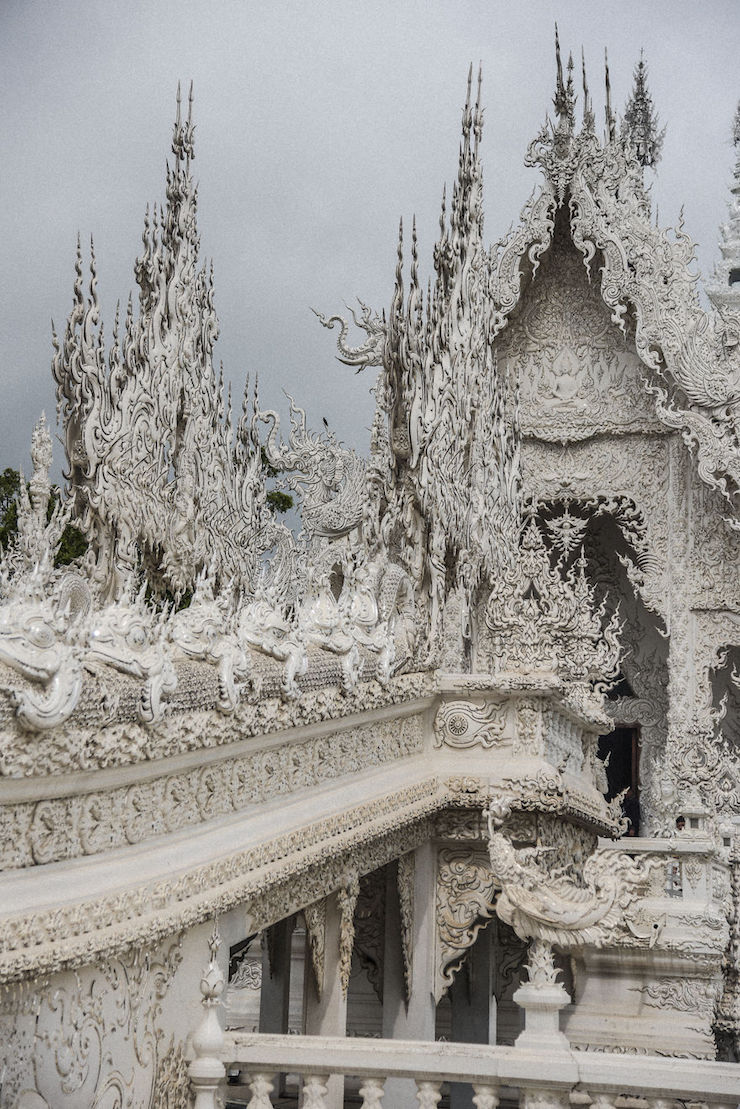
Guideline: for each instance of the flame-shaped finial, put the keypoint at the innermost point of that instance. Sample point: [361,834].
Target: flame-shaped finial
[588,115]
[563,100]
[609,115]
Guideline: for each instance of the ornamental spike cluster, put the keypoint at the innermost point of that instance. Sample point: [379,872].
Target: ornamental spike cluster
[447,471]
[152,470]
[641,125]
[724,288]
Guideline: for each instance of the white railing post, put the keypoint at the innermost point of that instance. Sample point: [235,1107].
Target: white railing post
[206,1070]
[542,998]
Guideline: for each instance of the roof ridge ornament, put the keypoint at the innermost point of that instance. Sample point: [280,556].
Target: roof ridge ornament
[641,125]
[564,99]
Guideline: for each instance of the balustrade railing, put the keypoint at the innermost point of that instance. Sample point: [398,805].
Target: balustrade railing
[533,1079]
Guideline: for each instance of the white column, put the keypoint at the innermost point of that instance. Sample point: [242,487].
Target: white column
[275,990]
[415,1022]
[470,997]
[327,1015]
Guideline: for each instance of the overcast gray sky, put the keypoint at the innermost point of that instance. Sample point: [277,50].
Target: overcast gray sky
[318,124]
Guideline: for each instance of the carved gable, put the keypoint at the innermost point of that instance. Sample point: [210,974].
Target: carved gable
[579,374]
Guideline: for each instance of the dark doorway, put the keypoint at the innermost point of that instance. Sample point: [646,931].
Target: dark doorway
[622,748]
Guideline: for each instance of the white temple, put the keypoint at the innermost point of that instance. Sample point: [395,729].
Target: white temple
[444,792]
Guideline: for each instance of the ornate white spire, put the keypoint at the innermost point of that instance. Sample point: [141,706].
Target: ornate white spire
[449,467]
[724,288]
[641,123]
[153,472]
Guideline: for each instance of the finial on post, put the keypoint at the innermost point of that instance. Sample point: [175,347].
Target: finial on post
[206,1070]
[542,998]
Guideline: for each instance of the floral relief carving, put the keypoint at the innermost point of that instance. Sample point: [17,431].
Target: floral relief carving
[685,994]
[96,1035]
[347,896]
[67,827]
[406,869]
[465,903]
[315,917]
[263,877]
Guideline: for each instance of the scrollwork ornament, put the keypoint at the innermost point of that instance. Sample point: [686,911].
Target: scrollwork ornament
[463,724]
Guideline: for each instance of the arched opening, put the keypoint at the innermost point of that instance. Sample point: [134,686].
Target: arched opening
[611,533]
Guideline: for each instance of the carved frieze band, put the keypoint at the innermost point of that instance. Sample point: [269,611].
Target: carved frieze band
[94,743]
[63,828]
[272,881]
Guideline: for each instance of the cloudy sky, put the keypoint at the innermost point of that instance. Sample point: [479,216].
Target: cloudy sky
[318,124]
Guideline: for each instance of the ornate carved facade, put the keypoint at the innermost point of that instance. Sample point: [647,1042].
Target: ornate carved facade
[398,751]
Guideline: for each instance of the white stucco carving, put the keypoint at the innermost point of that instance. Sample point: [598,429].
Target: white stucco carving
[207,715]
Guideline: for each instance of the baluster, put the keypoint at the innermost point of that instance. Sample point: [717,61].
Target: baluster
[261,1087]
[314,1091]
[543,1099]
[371,1092]
[604,1101]
[485,1097]
[428,1094]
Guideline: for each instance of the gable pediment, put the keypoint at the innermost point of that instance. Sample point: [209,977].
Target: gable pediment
[579,374]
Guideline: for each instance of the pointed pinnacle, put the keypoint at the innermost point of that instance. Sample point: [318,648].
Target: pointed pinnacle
[470,85]
[190,103]
[558,62]
[177,115]
[608,105]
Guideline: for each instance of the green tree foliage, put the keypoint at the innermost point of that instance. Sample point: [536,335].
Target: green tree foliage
[10,483]
[277,500]
[72,544]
